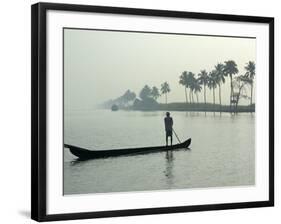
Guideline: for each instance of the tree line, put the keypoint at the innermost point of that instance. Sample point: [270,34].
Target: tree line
[122,101]
[193,84]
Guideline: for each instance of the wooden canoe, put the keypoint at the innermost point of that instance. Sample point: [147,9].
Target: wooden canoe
[95,154]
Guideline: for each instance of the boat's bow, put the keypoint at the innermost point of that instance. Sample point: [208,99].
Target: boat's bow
[187,143]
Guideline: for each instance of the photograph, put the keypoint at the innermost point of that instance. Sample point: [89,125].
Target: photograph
[154,111]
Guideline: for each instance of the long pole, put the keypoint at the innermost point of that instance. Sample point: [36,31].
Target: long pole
[176,136]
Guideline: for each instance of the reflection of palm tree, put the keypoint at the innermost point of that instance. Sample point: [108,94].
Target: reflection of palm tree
[230,69]
[155,93]
[219,77]
[250,74]
[183,81]
[203,80]
[165,89]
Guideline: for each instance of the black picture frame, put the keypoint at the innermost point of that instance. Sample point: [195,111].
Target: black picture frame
[39,108]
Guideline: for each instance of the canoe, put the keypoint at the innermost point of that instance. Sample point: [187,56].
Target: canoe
[84,154]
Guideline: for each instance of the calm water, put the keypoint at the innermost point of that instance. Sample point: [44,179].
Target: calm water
[222,151]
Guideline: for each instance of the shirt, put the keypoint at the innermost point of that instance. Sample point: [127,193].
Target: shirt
[168,123]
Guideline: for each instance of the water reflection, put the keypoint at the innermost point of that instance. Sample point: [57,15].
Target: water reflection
[223,151]
[169,168]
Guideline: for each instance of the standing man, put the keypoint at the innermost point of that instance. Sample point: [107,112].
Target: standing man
[168,127]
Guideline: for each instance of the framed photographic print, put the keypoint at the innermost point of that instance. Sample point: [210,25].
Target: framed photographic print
[140,111]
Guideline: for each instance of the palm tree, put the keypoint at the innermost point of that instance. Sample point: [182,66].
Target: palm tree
[219,70]
[190,83]
[165,88]
[155,93]
[212,84]
[203,80]
[197,88]
[250,74]
[230,69]
[239,83]
[183,81]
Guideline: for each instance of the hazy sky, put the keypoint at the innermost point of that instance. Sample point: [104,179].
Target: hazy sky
[102,65]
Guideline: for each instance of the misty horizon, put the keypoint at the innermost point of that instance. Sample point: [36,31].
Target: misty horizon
[102,65]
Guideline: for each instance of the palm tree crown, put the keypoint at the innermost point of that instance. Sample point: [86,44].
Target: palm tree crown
[165,88]
[203,80]
[219,70]
[203,77]
[250,74]
[197,88]
[184,81]
[230,69]
[212,80]
[220,77]
[212,83]
[155,93]
[191,84]
[183,78]
[250,69]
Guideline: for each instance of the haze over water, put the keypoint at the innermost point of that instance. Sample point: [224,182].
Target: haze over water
[102,65]
[222,151]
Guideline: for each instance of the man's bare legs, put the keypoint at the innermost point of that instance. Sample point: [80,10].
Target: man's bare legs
[167,140]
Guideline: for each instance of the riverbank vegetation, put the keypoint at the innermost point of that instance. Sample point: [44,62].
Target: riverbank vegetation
[194,85]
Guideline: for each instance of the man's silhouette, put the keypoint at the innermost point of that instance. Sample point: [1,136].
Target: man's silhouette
[168,127]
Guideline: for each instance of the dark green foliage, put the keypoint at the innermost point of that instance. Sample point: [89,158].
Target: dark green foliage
[155,93]
[123,101]
[203,79]
[145,93]
[212,80]
[250,75]
[230,69]
[165,89]
[147,104]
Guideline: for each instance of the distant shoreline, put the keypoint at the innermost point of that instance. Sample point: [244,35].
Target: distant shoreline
[193,107]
